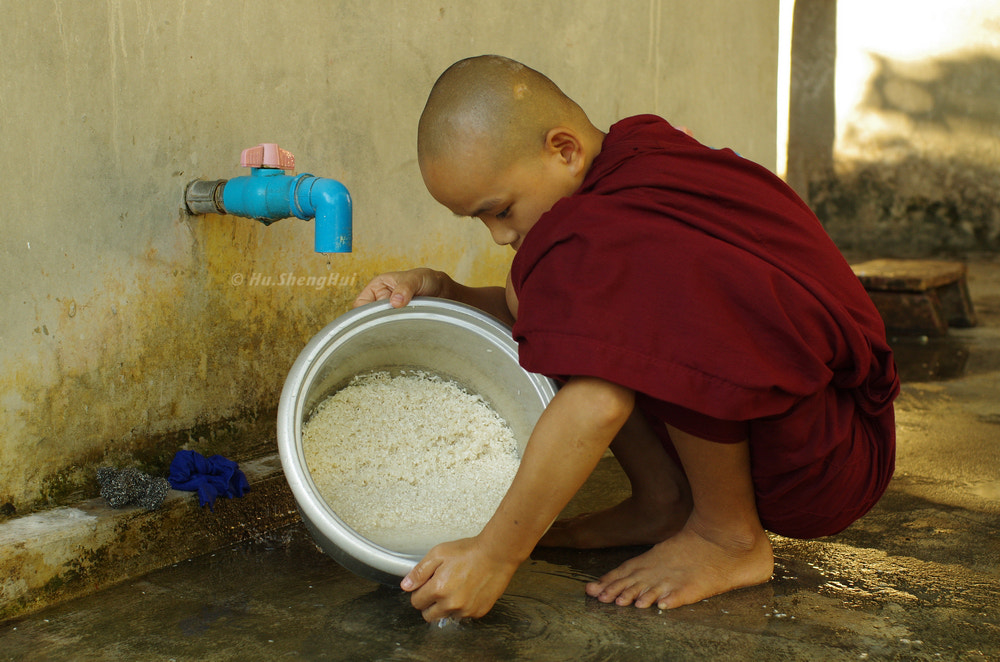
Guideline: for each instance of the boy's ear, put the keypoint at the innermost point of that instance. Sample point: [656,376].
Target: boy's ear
[567,145]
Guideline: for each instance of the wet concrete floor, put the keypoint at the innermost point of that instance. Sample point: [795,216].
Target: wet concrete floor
[916,579]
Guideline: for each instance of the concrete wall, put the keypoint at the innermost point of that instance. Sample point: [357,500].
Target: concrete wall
[914,169]
[129,329]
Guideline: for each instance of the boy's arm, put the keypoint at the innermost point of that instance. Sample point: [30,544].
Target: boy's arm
[465,577]
[401,286]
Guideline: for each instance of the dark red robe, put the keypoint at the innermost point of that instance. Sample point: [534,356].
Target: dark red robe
[700,280]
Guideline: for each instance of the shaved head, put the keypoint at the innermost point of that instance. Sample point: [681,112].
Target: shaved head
[495,107]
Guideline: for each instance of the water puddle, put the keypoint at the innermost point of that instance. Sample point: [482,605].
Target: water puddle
[962,353]
[283,599]
[925,360]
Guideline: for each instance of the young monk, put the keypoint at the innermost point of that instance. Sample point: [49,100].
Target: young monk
[701,321]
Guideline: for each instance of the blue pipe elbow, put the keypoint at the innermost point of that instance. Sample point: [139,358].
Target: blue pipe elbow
[268,195]
[330,203]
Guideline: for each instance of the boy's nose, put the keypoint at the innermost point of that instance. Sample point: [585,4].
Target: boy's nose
[501,233]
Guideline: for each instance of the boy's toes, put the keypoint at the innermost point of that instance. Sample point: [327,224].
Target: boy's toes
[653,595]
[629,594]
[597,589]
[612,590]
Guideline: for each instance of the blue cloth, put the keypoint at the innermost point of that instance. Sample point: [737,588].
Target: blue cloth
[211,477]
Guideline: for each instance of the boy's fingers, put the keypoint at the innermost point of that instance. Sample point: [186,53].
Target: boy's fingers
[366,296]
[381,288]
[400,297]
[399,287]
[372,291]
[419,575]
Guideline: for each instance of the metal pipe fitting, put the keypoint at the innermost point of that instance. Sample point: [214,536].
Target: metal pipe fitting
[205,196]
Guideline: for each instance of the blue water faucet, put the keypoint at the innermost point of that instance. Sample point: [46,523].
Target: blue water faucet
[267,194]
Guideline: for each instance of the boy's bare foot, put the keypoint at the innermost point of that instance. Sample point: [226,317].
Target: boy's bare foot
[631,522]
[686,568]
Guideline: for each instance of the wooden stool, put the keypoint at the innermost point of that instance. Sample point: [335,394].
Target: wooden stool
[918,297]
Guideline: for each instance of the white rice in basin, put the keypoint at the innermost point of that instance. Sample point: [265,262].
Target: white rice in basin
[409,461]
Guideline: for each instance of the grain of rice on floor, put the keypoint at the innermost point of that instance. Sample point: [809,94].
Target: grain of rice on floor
[410,460]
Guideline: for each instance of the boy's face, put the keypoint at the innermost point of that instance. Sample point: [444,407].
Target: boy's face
[508,200]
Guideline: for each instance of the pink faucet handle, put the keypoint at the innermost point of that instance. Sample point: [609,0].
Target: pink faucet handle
[267,155]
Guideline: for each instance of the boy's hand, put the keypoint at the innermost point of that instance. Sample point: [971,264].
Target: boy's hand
[401,286]
[465,577]
[457,579]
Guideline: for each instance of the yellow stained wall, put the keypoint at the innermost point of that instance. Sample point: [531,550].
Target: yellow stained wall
[124,321]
